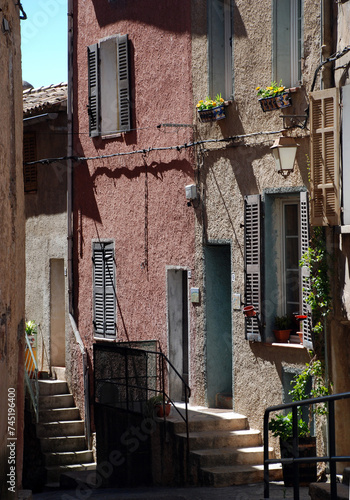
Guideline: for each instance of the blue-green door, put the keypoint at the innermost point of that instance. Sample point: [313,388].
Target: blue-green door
[218,321]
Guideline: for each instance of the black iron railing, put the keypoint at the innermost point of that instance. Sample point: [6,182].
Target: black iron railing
[127,377]
[331,457]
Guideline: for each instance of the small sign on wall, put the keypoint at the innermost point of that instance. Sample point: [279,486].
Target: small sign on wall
[236,301]
[195,295]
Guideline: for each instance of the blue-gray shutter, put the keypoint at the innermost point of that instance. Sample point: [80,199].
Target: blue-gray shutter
[305,273]
[123,83]
[93,92]
[104,290]
[253,262]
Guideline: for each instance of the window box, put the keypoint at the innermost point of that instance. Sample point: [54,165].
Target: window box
[276,102]
[212,115]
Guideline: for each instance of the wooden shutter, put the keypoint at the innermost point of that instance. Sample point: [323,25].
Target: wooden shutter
[123,83]
[325,184]
[30,173]
[93,83]
[253,260]
[104,290]
[305,273]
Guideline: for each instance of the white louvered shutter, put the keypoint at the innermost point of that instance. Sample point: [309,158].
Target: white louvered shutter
[325,182]
[93,86]
[305,273]
[104,290]
[252,259]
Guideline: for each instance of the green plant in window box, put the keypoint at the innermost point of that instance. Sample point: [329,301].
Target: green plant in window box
[211,109]
[275,96]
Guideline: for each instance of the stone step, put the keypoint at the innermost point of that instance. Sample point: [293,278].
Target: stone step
[54,472]
[67,443]
[69,457]
[236,475]
[223,439]
[322,491]
[207,419]
[58,429]
[58,414]
[230,456]
[51,387]
[57,401]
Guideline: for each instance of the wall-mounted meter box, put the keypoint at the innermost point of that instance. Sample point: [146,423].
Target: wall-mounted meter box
[191,192]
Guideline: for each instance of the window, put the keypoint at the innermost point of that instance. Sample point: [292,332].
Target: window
[274,282]
[30,173]
[109,97]
[104,294]
[220,48]
[287,41]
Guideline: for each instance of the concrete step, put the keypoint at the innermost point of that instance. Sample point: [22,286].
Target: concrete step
[59,414]
[223,439]
[68,457]
[67,443]
[57,401]
[235,475]
[58,429]
[230,456]
[207,419]
[322,491]
[50,387]
[54,472]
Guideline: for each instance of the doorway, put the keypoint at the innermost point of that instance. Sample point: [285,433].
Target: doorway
[57,313]
[218,322]
[177,330]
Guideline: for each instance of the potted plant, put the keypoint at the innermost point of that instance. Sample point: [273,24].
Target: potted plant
[282,425]
[275,96]
[283,328]
[211,109]
[159,406]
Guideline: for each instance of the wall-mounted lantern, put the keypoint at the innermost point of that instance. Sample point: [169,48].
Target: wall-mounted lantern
[284,151]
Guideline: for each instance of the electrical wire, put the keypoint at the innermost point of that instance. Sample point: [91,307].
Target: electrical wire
[144,151]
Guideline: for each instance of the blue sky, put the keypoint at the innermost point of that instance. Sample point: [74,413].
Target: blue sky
[44,42]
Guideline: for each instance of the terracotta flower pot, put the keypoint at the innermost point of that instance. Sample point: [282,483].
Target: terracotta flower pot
[160,410]
[249,311]
[282,335]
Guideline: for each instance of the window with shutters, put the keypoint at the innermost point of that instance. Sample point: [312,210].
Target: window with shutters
[287,41]
[274,282]
[30,173]
[108,82]
[104,290]
[220,48]
[324,157]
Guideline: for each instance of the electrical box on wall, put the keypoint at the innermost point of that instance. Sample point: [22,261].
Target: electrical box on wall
[191,192]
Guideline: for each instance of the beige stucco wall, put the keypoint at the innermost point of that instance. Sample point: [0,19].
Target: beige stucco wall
[229,171]
[46,239]
[12,269]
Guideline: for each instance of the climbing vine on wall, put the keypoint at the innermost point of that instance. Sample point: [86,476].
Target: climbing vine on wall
[317,260]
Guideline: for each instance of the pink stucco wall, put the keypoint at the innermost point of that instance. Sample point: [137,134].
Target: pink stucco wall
[114,198]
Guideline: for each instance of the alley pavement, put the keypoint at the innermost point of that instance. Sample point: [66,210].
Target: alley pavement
[244,492]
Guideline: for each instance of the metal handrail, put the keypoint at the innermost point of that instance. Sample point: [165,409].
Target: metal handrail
[87,424]
[31,367]
[332,458]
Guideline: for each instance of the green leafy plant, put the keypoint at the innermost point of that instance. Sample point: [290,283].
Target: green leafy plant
[281,425]
[210,103]
[283,323]
[272,91]
[31,328]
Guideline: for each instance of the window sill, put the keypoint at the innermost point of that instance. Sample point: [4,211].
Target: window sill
[282,344]
[102,339]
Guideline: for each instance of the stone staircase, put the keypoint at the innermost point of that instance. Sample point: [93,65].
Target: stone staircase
[61,432]
[224,451]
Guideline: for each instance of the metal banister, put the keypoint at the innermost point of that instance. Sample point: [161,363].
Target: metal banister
[332,458]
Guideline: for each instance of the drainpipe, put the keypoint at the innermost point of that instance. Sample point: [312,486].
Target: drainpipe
[327,48]
[70,154]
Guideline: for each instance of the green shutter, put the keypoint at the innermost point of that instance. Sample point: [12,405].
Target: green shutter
[93,85]
[252,261]
[104,295]
[123,83]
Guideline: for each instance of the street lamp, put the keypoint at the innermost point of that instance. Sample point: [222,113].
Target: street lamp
[284,151]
